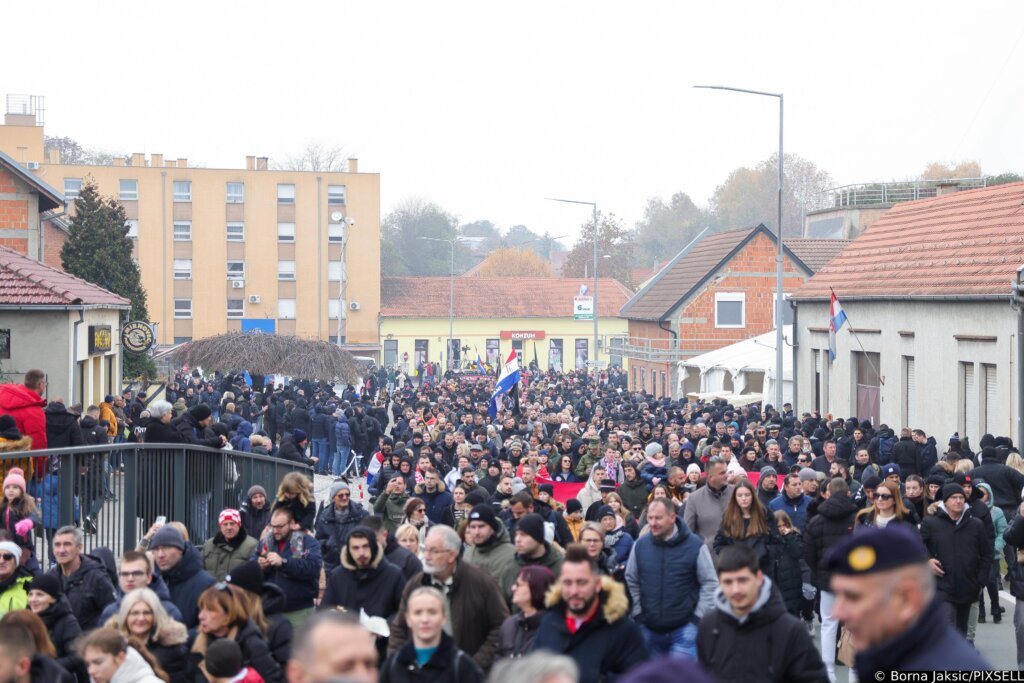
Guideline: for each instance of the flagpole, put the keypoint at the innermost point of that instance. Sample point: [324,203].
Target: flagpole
[856,336]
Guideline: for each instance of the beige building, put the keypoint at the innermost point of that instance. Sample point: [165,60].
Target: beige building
[237,249]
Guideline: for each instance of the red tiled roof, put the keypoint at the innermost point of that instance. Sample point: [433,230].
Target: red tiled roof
[26,282]
[494,297]
[965,243]
[816,253]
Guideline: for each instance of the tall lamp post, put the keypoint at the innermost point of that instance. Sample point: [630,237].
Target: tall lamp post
[779,300]
[594,205]
[451,295]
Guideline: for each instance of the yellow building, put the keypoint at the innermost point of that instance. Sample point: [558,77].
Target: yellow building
[238,249]
[493,316]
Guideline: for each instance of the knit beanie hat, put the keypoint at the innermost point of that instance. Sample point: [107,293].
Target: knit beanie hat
[254,489]
[484,512]
[9,428]
[768,471]
[200,412]
[572,505]
[653,449]
[338,486]
[693,467]
[12,548]
[168,537]
[299,436]
[247,576]
[605,511]
[533,526]
[223,658]
[48,584]
[807,474]
[15,477]
[229,515]
[951,490]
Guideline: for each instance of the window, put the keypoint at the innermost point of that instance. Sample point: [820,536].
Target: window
[236,308]
[582,349]
[133,227]
[286,309]
[5,344]
[182,231]
[555,355]
[493,351]
[333,307]
[182,269]
[182,190]
[336,232]
[236,270]
[909,393]
[420,352]
[730,309]
[991,399]
[285,194]
[182,309]
[182,340]
[236,193]
[969,424]
[72,187]
[336,195]
[335,271]
[129,190]
[286,270]
[236,232]
[285,232]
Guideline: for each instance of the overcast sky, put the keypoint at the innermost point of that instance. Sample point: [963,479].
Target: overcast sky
[487,108]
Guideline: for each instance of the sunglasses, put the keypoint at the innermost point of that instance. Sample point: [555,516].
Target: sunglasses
[6,557]
[883,496]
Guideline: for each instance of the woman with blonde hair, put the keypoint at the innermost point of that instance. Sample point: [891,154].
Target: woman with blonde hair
[408,537]
[296,493]
[143,617]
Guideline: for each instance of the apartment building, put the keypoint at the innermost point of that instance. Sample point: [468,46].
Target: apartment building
[248,248]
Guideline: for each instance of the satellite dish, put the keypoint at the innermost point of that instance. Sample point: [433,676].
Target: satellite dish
[336,216]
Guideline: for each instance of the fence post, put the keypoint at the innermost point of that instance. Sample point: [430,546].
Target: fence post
[128,496]
[179,501]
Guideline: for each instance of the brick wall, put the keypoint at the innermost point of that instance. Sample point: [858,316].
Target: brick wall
[53,242]
[7,184]
[13,215]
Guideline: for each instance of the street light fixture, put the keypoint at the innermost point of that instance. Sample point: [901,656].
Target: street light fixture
[594,205]
[779,299]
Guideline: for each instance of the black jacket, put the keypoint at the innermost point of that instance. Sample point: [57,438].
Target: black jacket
[63,628]
[47,669]
[289,450]
[332,529]
[1014,536]
[768,645]
[376,589]
[833,523]
[279,629]
[402,558]
[517,634]
[447,665]
[255,521]
[186,581]
[965,551]
[62,428]
[907,455]
[931,644]
[791,570]
[88,591]
[1006,484]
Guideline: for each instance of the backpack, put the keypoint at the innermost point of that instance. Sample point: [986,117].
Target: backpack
[885,447]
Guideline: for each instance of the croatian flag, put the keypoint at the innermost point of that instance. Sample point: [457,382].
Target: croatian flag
[508,381]
[480,364]
[836,318]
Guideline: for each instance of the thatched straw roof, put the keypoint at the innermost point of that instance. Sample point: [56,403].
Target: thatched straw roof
[266,354]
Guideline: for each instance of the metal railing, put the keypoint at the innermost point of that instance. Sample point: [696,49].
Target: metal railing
[115,492]
[888,193]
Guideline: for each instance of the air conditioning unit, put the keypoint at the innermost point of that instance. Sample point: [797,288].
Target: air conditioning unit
[354,306]
[237,284]
[254,298]
[32,165]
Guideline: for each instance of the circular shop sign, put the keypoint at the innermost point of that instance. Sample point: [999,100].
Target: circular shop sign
[137,336]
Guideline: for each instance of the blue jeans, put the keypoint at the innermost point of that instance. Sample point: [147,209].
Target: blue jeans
[340,461]
[681,642]
[320,450]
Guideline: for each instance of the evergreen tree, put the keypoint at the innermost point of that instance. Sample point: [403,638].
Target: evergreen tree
[99,251]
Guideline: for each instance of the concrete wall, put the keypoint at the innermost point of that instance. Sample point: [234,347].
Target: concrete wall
[940,337]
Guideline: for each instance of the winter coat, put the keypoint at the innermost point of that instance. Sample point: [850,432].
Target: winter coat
[62,428]
[332,529]
[634,496]
[963,549]
[376,589]
[765,545]
[13,594]
[220,555]
[497,558]
[304,514]
[552,559]
[342,433]
[47,669]
[46,491]
[929,454]
[88,590]
[318,426]
[63,628]
[402,558]
[833,523]
[289,450]
[620,542]
[791,571]
[517,634]
[1014,537]
[671,581]
[241,442]
[158,432]
[255,521]
[392,508]
[26,407]
[16,446]
[1006,484]
[477,611]
[279,630]
[907,455]
[603,648]
[437,502]
[299,576]
[448,664]
[796,508]
[931,644]
[767,644]
[158,586]
[186,581]
[135,669]
[255,653]
[171,651]
[190,431]
[704,510]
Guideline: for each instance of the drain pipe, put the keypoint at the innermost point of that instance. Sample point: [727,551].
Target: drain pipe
[74,357]
[1017,302]
[675,345]
[795,384]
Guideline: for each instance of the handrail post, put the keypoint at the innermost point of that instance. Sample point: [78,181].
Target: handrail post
[179,502]
[129,495]
[68,472]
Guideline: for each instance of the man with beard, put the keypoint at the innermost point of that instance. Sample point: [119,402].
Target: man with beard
[365,579]
[589,621]
[476,607]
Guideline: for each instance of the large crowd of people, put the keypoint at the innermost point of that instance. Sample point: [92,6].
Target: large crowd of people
[583,533]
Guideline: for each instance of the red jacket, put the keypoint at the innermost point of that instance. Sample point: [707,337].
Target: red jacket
[26,407]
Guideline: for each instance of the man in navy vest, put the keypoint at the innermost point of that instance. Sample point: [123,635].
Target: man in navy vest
[672,581]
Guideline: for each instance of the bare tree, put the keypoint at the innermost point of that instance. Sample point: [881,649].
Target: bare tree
[315,156]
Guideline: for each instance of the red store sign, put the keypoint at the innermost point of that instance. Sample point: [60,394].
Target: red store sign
[522,334]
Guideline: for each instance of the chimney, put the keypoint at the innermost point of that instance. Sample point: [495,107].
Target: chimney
[946,187]
[250,163]
[138,159]
[261,163]
[182,163]
[353,165]
[118,161]
[156,160]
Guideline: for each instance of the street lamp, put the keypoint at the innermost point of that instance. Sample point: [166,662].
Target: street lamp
[594,205]
[779,341]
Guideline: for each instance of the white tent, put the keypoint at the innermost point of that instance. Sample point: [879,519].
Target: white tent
[742,369]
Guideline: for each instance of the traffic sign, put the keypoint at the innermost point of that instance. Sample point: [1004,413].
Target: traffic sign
[583,308]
